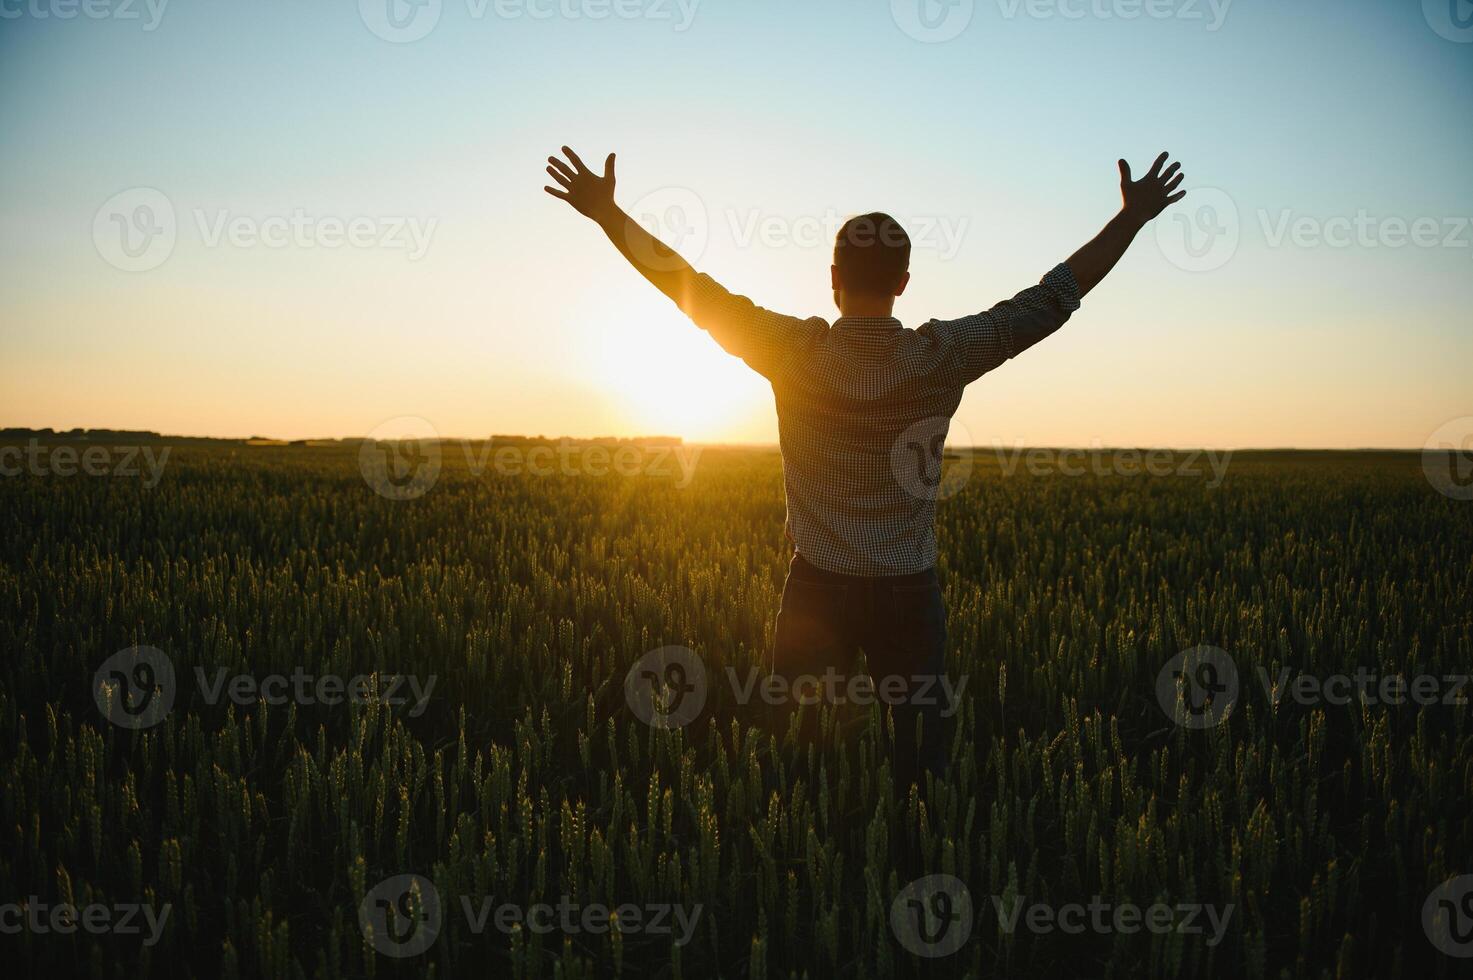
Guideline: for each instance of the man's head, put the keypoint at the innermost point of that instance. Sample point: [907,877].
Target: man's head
[871,265]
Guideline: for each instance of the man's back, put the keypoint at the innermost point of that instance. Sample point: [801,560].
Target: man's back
[841,422]
[863,409]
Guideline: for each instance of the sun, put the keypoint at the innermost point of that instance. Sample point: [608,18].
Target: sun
[668,377]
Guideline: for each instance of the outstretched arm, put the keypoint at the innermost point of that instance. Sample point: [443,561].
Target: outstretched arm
[1142,200]
[769,342]
[987,339]
[593,197]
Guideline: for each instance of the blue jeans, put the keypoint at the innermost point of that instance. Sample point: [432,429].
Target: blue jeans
[899,621]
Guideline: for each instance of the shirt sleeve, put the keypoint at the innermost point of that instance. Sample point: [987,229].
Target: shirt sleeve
[769,342]
[981,342]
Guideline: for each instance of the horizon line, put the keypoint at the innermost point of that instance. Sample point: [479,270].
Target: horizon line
[276,440]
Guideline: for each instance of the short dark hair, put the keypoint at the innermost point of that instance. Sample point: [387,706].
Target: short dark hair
[872,254]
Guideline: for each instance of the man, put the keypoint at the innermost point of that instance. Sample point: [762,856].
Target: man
[863,407]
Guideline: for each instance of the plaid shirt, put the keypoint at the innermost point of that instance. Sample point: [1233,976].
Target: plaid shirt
[863,407]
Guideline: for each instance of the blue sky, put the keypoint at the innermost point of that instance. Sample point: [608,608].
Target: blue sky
[1318,134]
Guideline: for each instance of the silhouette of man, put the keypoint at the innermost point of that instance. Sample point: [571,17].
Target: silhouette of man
[863,406]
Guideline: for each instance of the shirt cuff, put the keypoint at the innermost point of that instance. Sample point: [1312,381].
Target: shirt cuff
[1060,280]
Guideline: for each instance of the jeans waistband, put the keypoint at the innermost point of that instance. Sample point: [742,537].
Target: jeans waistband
[805,570]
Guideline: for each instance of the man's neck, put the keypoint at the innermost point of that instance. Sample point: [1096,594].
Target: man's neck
[878,309]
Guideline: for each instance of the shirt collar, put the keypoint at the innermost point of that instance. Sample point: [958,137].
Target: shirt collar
[867,323]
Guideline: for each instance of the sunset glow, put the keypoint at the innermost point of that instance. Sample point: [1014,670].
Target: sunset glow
[362,234]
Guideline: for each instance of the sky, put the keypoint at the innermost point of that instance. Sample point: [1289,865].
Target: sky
[310,220]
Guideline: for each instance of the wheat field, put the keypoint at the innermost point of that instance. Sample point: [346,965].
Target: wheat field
[493,761]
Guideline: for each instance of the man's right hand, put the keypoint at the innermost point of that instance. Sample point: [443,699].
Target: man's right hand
[593,197]
[1149,196]
[1143,200]
[590,195]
